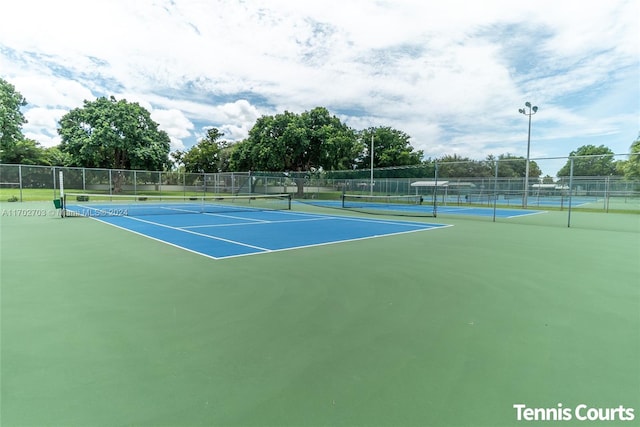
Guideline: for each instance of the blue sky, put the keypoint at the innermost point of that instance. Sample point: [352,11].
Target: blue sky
[450,74]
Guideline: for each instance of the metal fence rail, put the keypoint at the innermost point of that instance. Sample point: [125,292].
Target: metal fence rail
[114,181]
[440,182]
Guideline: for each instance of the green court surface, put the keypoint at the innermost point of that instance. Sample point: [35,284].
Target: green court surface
[103,327]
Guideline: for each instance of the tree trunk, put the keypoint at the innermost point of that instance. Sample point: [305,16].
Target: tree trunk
[300,185]
[118,180]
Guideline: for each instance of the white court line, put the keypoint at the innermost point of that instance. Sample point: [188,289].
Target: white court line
[195,233]
[358,219]
[422,227]
[156,239]
[527,214]
[391,222]
[208,213]
[234,217]
[340,241]
[305,214]
[178,209]
[284,221]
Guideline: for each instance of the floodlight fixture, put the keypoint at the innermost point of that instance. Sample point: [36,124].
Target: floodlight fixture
[531,111]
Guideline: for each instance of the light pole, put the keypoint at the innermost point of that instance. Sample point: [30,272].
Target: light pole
[528,110]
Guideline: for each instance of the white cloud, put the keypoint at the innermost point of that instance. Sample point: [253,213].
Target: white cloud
[42,124]
[452,80]
[54,92]
[176,124]
[236,119]
[240,110]
[43,118]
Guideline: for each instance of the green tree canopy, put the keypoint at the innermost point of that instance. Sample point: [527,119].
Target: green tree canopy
[206,156]
[11,121]
[26,151]
[292,142]
[391,147]
[631,167]
[510,166]
[590,160]
[110,133]
[332,144]
[454,166]
[53,156]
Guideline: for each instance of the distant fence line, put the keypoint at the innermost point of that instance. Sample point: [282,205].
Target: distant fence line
[112,181]
[439,181]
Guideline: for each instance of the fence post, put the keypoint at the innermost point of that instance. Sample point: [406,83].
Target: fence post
[570,191]
[606,194]
[20,180]
[204,184]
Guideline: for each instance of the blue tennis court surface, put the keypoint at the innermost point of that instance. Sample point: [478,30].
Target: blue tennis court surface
[225,235]
[426,209]
[547,201]
[488,212]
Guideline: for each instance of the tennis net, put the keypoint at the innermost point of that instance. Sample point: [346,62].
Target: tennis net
[96,205]
[409,205]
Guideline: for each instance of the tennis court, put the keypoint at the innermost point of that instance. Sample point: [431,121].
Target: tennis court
[423,208]
[103,323]
[233,226]
[551,201]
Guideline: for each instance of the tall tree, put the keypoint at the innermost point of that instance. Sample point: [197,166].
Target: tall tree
[28,152]
[590,160]
[54,157]
[299,143]
[331,144]
[391,147]
[110,133]
[631,168]
[292,142]
[510,166]
[455,166]
[107,133]
[11,121]
[206,155]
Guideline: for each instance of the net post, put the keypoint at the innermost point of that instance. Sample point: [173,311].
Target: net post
[570,192]
[62,195]
[495,189]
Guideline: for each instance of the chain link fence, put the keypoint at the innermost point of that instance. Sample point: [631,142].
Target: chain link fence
[16,180]
[478,183]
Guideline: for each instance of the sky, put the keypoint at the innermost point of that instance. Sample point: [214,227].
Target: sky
[450,74]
